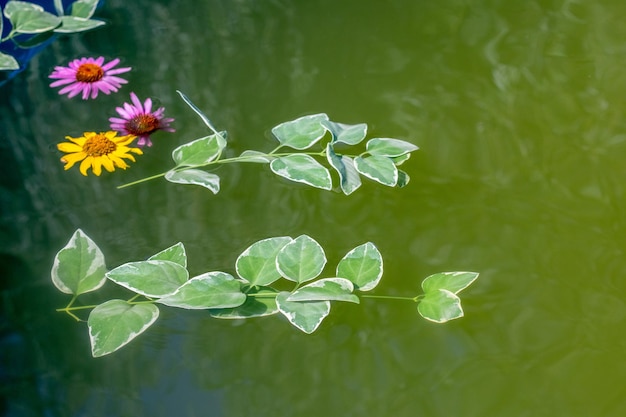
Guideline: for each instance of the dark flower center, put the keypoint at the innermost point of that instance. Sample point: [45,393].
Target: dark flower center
[142,124]
[99,145]
[89,73]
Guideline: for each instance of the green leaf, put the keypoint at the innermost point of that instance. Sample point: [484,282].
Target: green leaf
[209,290]
[73,24]
[301,260]
[256,156]
[454,282]
[195,177]
[253,306]
[7,62]
[348,134]
[84,8]
[15,6]
[363,266]
[199,152]
[349,178]
[257,264]
[175,253]
[304,169]
[33,21]
[115,323]
[79,267]
[399,160]
[403,179]
[378,168]
[389,147]
[154,278]
[440,306]
[203,116]
[306,316]
[326,289]
[301,133]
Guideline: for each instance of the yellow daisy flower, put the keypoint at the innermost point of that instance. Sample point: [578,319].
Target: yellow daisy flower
[97,150]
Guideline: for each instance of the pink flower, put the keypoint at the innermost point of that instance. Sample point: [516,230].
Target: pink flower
[88,75]
[139,120]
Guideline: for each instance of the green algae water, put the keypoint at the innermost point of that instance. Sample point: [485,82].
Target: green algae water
[517,108]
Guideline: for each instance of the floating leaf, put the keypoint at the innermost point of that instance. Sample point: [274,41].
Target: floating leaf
[7,62]
[84,8]
[440,306]
[256,156]
[115,323]
[454,282]
[304,169]
[306,316]
[209,290]
[199,152]
[73,24]
[15,6]
[363,266]
[195,177]
[33,21]
[153,278]
[403,179]
[378,168]
[257,264]
[399,160]
[301,260]
[253,306]
[326,289]
[389,147]
[203,116]
[348,134]
[301,133]
[349,178]
[175,253]
[79,267]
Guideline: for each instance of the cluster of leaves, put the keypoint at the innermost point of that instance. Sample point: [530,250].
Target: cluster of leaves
[164,279]
[31,25]
[379,162]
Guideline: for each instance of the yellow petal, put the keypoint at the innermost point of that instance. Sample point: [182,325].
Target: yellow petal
[125,140]
[96,165]
[80,141]
[85,165]
[107,163]
[118,161]
[71,158]
[69,147]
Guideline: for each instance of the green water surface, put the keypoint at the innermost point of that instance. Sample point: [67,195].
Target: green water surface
[518,109]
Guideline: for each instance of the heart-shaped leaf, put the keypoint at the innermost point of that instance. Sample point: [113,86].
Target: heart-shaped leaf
[440,306]
[348,134]
[153,278]
[304,169]
[209,290]
[306,316]
[301,133]
[257,264]
[195,177]
[454,282]
[326,289]
[301,260]
[116,322]
[389,147]
[261,301]
[175,253]
[349,179]
[378,168]
[79,267]
[199,152]
[363,266]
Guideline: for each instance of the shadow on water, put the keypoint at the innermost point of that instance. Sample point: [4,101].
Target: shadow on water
[518,112]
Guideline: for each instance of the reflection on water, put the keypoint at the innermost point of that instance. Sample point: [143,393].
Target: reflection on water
[517,109]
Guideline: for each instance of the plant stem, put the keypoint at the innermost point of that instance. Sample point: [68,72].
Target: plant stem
[390,297]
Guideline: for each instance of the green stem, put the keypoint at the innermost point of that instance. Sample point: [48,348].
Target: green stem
[390,297]
[221,161]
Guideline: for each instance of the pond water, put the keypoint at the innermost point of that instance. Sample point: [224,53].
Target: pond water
[517,108]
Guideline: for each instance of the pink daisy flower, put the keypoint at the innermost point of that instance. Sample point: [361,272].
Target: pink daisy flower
[89,76]
[139,120]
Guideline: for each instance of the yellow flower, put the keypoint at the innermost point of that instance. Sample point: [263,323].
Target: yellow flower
[96,150]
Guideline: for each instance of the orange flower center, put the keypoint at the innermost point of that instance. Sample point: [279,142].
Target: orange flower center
[89,73]
[99,145]
[142,124]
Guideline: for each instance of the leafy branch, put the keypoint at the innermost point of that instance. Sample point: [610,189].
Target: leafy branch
[379,162]
[163,279]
